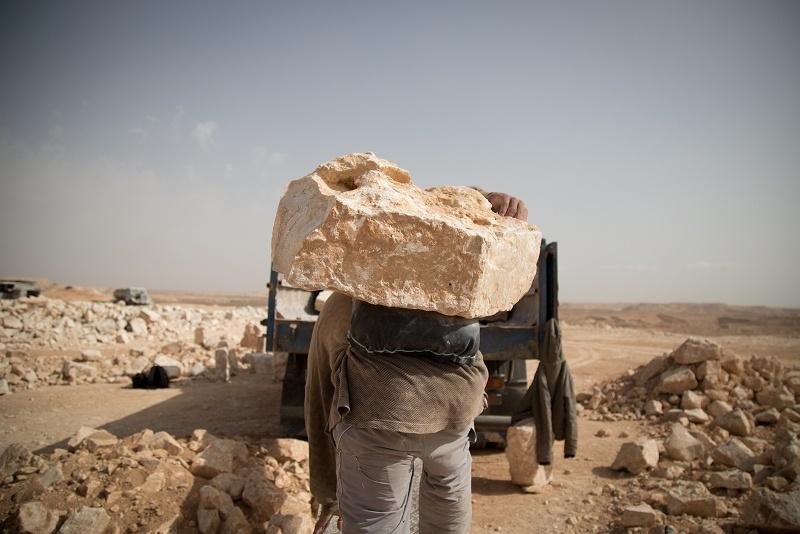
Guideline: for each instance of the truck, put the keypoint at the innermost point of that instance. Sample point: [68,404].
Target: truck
[132,296]
[507,341]
[14,289]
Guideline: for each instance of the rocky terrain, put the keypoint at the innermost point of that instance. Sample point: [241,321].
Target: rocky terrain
[78,447]
[52,341]
[723,452]
[152,482]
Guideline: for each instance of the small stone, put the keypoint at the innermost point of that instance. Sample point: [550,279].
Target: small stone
[776,483]
[76,440]
[734,453]
[149,316]
[163,440]
[208,521]
[602,433]
[219,456]
[653,407]
[4,389]
[137,326]
[74,370]
[654,367]
[283,449]
[778,397]
[697,415]
[681,445]
[719,407]
[200,336]
[230,484]
[86,521]
[100,439]
[252,338]
[636,456]
[730,479]
[691,400]
[197,369]
[642,515]
[768,417]
[691,498]
[262,495]
[221,367]
[695,350]
[676,380]
[213,499]
[14,457]
[91,355]
[35,518]
[736,422]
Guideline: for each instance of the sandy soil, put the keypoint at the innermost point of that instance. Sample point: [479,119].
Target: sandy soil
[601,342]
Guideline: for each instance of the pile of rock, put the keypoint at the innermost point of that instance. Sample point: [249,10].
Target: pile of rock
[42,322]
[724,439]
[108,343]
[700,381]
[153,482]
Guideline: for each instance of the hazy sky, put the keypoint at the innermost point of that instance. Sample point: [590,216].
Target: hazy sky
[148,143]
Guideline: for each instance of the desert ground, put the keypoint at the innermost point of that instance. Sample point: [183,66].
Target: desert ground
[602,342]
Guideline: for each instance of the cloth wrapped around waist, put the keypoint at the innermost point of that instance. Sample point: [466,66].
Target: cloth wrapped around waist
[381,330]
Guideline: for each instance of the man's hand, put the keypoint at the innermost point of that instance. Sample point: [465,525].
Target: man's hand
[508,206]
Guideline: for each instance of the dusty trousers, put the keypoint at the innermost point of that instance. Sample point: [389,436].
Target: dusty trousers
[375,470]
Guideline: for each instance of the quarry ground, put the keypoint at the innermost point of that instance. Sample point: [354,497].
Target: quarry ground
[601,342]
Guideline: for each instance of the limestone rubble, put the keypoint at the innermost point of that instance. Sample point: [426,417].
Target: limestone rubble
[49,341]
[728,427]
[148,482]
[359,225]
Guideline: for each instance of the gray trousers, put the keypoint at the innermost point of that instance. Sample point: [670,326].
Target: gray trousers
[375,469]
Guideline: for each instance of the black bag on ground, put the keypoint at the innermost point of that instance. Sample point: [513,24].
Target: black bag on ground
[155,378]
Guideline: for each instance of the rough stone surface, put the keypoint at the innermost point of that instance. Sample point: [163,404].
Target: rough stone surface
[636,456]
[86,521]
[691,498]
[358,225]
[289,449]
[14,457]
[769,511]
[695,350]
[718,407]
[642,515]
[734,453]
[736,422]
[730,479]
[521,455]
[222,365]
[262,495]
[654,367]
[35,518]
[220,456]
[681,445]
[676,380]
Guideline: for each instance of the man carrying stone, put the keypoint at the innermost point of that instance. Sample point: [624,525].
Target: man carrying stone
[386,386]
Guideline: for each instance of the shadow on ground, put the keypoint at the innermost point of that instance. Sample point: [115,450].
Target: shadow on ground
[247,406]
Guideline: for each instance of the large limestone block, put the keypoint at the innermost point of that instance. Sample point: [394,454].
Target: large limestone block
[358,225]
[521,455]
